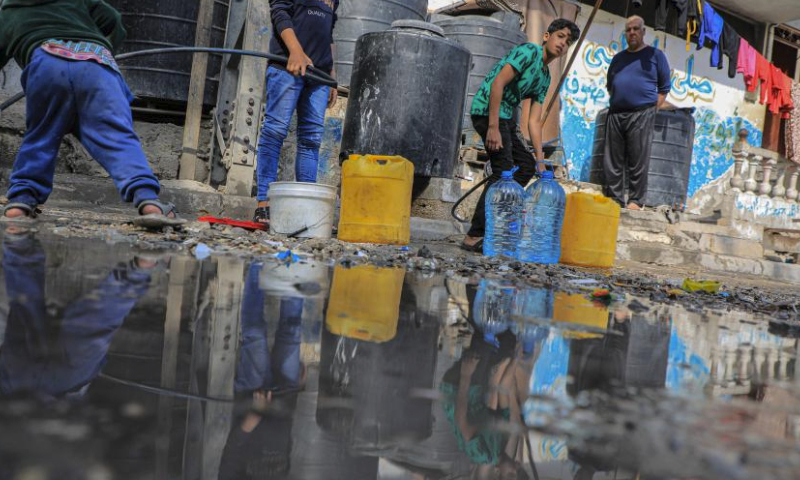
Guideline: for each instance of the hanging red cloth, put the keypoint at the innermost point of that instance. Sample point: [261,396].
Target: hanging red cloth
[763,77]
[787,104]
[747,64]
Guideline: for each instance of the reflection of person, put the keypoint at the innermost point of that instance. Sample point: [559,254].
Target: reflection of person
[56,362]
[260,442]
[638,82]
[480,392]
[522,74]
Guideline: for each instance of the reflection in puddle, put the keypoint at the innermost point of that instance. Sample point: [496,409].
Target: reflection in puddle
[114,365]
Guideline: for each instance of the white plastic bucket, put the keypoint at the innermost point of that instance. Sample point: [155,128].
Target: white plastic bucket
[294,206]
[278,280]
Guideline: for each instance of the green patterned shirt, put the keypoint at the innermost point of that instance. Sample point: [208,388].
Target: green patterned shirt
[532,81]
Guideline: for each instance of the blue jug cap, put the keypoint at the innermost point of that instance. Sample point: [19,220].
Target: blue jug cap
[548,174]
[509,174]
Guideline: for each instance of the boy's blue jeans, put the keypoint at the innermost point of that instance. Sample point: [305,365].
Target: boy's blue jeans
[92,102]
[259,367]
[285,93]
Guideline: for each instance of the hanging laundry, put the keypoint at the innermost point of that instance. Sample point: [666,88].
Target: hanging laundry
[747,64]
[781,101]
[787,100]
[662,11]
[731,42]
[775,93]
[793,127]
[763,78]
[711,33]
[694,18]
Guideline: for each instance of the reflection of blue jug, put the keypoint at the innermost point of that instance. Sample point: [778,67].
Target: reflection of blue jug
[532,304]
[531,335]
[536,303]
[492,308]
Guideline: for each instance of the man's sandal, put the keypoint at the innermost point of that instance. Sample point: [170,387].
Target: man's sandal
[30,213]
[157,221]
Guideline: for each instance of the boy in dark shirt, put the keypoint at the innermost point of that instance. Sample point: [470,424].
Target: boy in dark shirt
[303,32]
[73,85]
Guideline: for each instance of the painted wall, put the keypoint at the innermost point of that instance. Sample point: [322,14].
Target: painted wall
[721,108]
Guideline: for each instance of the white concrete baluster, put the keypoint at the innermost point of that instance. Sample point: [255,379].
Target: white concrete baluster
[791,192]
[737,181]
[716,374]
[730,365]
[750,185]
[783,367]
[779,190]
[772,358]
[742,362]
[767,165]
[759,357]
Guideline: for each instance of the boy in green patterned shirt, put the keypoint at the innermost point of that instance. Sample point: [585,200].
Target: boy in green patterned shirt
[520,75]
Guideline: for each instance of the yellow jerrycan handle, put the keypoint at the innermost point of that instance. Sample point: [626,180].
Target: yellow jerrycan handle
[379,159]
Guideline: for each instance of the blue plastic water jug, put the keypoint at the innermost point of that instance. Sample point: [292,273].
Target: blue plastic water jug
[503,216]
[544,205]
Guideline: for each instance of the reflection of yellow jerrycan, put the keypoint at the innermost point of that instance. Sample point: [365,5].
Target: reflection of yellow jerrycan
[376,200]
[579,310]
[365,302]
[589,235]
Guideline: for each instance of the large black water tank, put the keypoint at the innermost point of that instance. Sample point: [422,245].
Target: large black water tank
[489,39]
[670,158]
[367,390]
[357,17]
[407,97]
[157,24]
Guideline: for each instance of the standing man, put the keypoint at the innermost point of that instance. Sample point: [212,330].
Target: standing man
[302,32]
[522,74]
[638,83]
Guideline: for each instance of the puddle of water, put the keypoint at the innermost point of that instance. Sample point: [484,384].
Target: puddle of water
[115,364]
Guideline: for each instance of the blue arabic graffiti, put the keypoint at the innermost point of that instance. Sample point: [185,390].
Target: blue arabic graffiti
[766,207]
[713,143]
[688,85]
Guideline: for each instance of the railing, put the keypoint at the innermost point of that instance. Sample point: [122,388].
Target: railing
[764,173]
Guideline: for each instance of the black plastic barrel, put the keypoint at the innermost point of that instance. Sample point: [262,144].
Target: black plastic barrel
[670,158]
[158,24]
[407,97]
[489,39]
[357,17]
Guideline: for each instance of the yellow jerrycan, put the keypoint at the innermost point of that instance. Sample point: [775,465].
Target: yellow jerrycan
[365,302]
[589,234]
[376,200]
[579,310]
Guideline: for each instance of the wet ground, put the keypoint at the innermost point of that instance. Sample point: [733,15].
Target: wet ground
[124,362]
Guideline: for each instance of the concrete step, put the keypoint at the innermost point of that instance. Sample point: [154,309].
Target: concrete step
[657,254]
[643,220]
[653,253]
[725,245]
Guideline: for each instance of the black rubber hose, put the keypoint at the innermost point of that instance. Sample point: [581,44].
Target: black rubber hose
[312,73]
[464,197]
[186,396]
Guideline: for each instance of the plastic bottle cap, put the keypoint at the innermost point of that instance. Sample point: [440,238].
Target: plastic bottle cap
[548,174]
[509,174]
